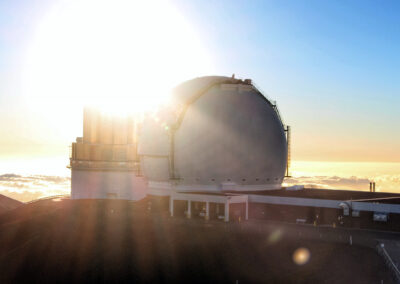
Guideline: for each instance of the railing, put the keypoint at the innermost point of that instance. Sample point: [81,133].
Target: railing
[272,102]
[278,113]
[286,128]
[81,164]
[389,261]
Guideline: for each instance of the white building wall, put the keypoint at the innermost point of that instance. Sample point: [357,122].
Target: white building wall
[107,184]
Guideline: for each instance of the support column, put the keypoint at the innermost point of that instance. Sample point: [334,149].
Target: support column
[247,210]
[189,212]
[207,217]
[171,206]
[227,211]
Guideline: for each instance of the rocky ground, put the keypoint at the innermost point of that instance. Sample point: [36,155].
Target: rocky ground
[7,203]
[65,241]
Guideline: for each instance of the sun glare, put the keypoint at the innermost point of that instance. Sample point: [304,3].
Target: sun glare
[120,56]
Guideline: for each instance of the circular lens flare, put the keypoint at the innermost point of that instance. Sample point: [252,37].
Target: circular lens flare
[301,256]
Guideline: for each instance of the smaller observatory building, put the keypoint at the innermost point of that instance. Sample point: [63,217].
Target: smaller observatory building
[104,162]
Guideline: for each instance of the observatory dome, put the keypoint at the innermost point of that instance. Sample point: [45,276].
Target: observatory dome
[220,134]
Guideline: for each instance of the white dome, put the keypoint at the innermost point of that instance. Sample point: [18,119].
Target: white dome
[221,134]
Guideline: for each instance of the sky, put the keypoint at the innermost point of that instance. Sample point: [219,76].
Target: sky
[332,67]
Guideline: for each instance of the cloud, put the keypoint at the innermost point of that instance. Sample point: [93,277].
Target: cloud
[384,183]
[333,182]
[8,176]
[30,187]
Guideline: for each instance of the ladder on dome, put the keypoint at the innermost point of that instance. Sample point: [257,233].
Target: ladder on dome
[288,139]
[287,130]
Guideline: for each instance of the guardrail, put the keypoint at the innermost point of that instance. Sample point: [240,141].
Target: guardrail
[388,260]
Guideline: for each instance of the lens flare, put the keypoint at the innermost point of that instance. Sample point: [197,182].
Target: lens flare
[301,256]
[275,236]
[115,55]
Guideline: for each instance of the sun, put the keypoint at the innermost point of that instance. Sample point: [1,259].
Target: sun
[120,56]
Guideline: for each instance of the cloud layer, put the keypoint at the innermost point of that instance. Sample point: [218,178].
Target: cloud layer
[332,182]
[31,187]
[384,183]
[27,188]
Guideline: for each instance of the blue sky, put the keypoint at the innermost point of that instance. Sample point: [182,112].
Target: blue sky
[332,66]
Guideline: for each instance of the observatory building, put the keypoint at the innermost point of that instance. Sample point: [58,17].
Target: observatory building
[219,151]
[221,134]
